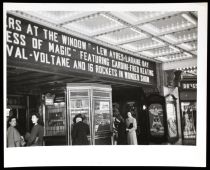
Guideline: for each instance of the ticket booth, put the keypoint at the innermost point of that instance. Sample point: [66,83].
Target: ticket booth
[94,103]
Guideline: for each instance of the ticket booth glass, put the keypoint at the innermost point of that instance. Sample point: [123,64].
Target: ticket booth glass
[93,102]
[102,117]
[79,103]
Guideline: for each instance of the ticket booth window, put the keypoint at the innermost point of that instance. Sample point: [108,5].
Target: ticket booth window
[79,103]
[93,102]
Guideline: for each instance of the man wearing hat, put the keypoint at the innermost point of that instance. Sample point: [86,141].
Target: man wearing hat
[80,131]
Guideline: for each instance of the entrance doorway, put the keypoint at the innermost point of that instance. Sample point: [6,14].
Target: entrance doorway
[129,96]
[132,99]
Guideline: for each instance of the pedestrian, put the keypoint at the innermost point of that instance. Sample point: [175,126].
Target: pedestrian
[131,127]
[121,131]
[35,138]
[80,131]
[14,139]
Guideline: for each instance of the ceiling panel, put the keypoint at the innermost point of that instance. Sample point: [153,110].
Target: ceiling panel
[94,24]
[145,44]
[123,36]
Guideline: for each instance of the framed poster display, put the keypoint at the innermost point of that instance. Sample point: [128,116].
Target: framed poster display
[157,128]
[171,113]
[55,120]
[156,119]
[188,110]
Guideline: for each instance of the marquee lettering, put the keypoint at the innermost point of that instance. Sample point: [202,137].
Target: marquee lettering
[36,45]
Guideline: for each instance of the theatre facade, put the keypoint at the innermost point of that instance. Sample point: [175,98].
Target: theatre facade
[59,75]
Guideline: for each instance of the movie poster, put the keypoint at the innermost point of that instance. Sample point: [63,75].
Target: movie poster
[156,119]
[171,120]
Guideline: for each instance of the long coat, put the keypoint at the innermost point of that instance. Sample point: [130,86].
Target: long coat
[79,134]
[131,134]
[13,137]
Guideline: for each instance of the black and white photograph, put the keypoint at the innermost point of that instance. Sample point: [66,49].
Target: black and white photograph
[105,84]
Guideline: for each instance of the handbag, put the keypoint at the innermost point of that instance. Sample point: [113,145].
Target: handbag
[130,126]
[22,142]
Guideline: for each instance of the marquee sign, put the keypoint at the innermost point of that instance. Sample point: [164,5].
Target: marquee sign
[188,85]
[37,46]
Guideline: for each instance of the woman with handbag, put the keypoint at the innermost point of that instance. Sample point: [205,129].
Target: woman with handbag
[14,139]
[131,127]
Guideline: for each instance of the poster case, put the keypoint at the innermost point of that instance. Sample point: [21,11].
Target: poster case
[54,116]
[188,113]
[157,119]
[55,119]
[93,102]
[171,114]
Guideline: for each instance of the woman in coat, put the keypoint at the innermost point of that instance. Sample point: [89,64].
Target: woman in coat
[131,127]
[13,136]
[80,131]
[35,138]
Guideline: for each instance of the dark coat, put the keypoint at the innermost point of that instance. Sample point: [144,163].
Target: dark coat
[121,134]
[36,136]
[79,134]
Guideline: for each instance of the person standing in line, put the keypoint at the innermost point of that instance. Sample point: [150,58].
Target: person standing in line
[14,139]
[35,138]
[121,131]
[80,131]
[131,127]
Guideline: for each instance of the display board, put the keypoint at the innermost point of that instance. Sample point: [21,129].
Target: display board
[171,120]
[171,113]
[157,118]
[55,119]
[188,110]
[36,46]
[188,85]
